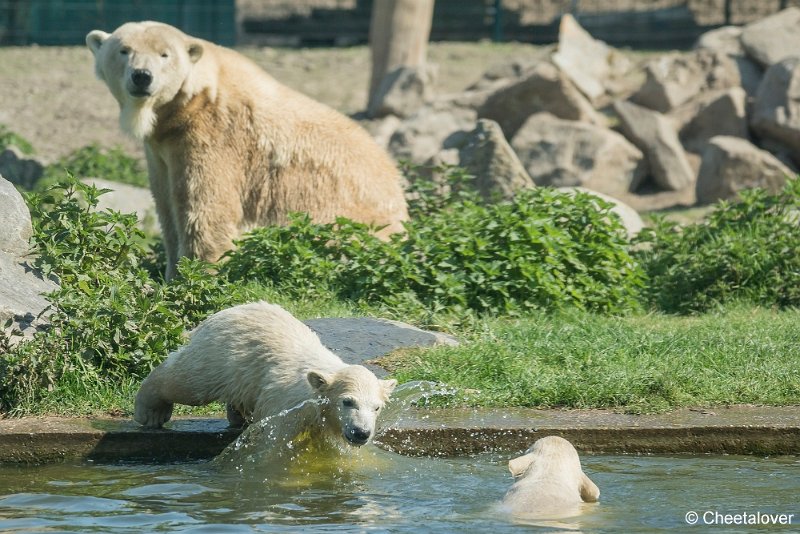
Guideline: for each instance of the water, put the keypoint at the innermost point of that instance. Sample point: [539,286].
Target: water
[381,492]
[293,487]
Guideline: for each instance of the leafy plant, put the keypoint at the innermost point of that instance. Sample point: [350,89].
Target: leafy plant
[543,250]
[94,161]
[744,251]
[109,320]
[8,138]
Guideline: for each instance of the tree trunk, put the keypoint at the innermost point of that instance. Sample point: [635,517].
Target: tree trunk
[398,37]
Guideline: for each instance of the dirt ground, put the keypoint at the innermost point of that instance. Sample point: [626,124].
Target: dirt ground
[50,95]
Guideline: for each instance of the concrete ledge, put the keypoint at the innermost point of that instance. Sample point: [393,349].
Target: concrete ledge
[435,432]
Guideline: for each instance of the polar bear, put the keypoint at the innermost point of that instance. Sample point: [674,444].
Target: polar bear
[229,148]
[260,360]
[550,482]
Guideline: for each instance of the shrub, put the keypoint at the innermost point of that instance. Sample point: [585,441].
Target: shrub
[745,251]
[109,320]
[543,250]
[7,138]
[94,161]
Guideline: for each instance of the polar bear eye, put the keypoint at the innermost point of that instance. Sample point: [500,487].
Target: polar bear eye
[164,55]
[124,51]
[348,403]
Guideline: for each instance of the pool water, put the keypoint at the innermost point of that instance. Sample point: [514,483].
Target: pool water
[372,490]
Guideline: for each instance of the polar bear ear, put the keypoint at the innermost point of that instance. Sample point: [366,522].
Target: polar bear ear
[95,39]
[520,464]
[195,50]
[317,380]
[589,490]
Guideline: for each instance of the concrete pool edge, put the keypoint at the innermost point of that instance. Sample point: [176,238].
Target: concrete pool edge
[761,430]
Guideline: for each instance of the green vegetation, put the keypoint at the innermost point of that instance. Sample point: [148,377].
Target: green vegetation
[637,363]
[8,138]
[545,290]
[747,251]
[94,161]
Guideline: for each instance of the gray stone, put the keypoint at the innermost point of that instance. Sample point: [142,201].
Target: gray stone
[402,92]
[731,164]
[421,136]
[361,339]
[504,73]
[485,154]
[20,169]
[776,112]
[559,153]
[673,79]
[630,218]
[718,113]
[773,38]
[15,220]
[546,88]
[726,40]
[654,135]
[582,58]
[128,199]
[21,288]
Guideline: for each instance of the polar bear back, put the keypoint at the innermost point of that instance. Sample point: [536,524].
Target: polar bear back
[252,355]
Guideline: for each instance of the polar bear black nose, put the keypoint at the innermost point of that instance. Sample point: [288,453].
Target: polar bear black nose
[142,78]
[358,436]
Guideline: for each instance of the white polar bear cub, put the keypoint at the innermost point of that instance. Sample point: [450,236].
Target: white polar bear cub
[550,482]
[261,360]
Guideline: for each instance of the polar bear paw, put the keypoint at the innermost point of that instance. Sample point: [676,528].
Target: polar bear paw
[152,416]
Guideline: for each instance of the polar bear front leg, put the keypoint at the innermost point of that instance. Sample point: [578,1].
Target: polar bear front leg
[152,409]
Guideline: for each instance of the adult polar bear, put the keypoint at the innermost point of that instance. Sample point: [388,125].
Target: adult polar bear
[260,360]
[229,148]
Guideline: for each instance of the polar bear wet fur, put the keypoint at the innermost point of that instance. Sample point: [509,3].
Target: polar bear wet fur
[261,360]
[229,148]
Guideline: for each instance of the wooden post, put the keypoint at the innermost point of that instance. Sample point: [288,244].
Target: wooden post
[398,37]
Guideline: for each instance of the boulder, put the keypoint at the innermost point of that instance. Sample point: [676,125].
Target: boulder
[726,40]
[711,114]
[19,169]
[485,154]
[128,199]
[773,38]
[655,136]
[546,88]
[420,137]
[582,58]
[673,79]
[630,217]
[380,129]
[776,112]
[402,92]
[359,340]
[504,73]
[558,152]
[731,164]
[21,288]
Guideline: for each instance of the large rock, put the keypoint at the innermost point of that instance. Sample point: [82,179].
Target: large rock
[582,58]
[654,135]
[776,113]
[19,169]
[673,79]
[402,92]
[727,40]
[773,38]
[630,218]
[561,153]
[718,113]
[731,164]
[128,199]
[546,88]
[359,340]
[485,154]
[20,288]
[420,137]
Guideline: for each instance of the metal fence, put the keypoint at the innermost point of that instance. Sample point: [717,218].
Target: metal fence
[636,23]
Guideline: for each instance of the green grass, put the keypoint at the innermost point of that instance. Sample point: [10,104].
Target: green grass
[645,363]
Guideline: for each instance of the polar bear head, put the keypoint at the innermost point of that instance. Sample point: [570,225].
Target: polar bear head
[355,399]
[145,65]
